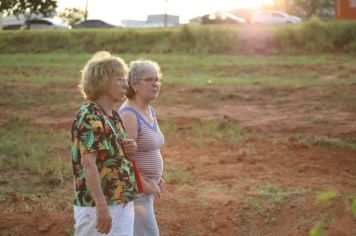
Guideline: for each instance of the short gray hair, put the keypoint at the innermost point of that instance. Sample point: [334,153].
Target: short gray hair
[136,69]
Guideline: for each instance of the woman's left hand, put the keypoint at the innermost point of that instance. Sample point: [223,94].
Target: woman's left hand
[162,184]
[129,146]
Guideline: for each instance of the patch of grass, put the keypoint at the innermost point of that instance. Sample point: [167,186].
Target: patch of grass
[14,231]
[351,103]
[69,231]
[176,175]
[320,121]
[353,207]
[273,194]
[332,198]
[21,97]
[203,203]
[325,196]
[36,150]
[328,142]
[211,187]
[307,221]
[169,129]
[229,132]
[268,198]
[192,69]
[256,204]
[317,230]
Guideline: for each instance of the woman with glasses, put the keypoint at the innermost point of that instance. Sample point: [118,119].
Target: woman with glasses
[140,121]
[104,177]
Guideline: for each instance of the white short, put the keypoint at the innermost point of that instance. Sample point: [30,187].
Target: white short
[122,220]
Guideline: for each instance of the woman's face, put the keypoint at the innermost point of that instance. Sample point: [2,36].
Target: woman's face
[149,84]
[116,88]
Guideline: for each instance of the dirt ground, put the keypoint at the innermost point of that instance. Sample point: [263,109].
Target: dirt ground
[221,191]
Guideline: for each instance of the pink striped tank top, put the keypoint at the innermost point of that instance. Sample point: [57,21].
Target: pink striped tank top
[149,141]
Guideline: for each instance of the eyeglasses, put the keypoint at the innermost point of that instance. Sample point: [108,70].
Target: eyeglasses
[153,80]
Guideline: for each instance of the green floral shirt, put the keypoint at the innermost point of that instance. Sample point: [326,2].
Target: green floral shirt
[93,131]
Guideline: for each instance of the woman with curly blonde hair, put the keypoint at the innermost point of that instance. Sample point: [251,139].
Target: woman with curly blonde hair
[104,179]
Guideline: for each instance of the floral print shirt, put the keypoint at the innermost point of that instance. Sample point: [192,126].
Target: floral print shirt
[94,131]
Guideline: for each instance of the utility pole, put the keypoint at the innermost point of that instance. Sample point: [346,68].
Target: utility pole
[86,10]
[166,15]
[0,20]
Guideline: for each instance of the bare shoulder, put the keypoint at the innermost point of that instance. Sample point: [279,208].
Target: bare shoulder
[130,123]
[128,117]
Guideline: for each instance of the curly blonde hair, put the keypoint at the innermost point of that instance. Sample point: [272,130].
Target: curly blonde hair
[96,74]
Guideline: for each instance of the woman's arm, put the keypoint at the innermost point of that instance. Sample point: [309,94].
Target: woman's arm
[103,220]
[130,123]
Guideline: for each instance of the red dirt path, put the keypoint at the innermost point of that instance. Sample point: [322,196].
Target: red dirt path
[221,196]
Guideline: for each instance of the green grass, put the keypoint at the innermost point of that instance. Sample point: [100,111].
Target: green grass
[268,198]
[34,80]
[329,142]
[351,103]
[196,70]
[207,132]
[310,37]
[176,175]
[317,230]
[170,129]
[326,196]
[34,94]
[35,150]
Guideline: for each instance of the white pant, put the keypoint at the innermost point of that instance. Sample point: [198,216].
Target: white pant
[145,219]
[122,220]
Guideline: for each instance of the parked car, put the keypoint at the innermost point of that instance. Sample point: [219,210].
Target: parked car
[93,24]
[222,18]
[44,23]
[274,17]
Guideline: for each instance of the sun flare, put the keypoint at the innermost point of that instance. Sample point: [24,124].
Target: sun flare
[255,3]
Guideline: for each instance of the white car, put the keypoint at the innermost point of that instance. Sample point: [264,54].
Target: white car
[222,18]
[46,23]
[274,17]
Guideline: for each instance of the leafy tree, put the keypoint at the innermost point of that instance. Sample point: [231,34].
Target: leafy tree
[72,15]
[31,7]
[307,8]
[5,5]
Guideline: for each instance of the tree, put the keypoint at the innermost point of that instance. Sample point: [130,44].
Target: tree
[72,15]
[5,5]
[307,8]
[31,7]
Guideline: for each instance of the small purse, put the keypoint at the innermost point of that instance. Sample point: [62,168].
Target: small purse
[138,176]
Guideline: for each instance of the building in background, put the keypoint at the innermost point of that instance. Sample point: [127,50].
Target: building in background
[159,20]
[345,9]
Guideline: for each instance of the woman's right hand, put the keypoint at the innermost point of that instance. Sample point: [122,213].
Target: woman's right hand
[103,219]
[153,188]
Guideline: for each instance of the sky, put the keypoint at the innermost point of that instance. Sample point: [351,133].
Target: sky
[113,11]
